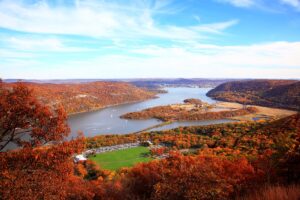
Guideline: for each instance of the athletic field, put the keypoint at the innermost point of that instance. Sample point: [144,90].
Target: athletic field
[114,160]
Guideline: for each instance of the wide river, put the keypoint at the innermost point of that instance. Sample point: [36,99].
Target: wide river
[108,121]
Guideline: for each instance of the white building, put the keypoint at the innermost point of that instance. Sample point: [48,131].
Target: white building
[79,158]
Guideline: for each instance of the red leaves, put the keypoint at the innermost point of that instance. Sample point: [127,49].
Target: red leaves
[25,121]
[271,93]
[39,173]
[187,177]
[46,172]
[87,96]
[158,151]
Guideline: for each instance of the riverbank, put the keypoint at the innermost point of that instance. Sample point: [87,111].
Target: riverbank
[153,127]
[108,106]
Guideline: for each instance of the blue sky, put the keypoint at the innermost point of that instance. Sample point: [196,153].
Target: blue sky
[148,39]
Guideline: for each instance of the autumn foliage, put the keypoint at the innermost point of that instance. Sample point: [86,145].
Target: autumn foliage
[228,160]
[24,121]
[169,113]
[34,171]
[188,177]
[271,93]
[40,173]
[82,97]
[158,151]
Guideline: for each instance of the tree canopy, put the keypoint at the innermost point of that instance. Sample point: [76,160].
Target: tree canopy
[24,121]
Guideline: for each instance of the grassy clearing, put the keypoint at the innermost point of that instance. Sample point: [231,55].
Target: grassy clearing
[114,160]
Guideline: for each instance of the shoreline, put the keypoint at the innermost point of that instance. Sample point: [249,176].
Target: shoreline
[108,106]
[128,102]
[152,127]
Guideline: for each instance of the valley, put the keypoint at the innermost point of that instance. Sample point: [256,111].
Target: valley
[189,136]
[149,100]
[120,108]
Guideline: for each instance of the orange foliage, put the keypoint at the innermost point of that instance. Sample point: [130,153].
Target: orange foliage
[291,192]
[158,151]
[168,113]
[21,113]
[232,158]
[82,97]
[40,173]
[188,177]
[272,93]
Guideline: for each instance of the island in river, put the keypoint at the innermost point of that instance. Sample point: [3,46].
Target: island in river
[190,110]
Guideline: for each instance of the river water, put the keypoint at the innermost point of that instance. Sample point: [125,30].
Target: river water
[108,121]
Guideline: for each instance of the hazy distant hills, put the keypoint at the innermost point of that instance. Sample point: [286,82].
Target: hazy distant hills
[198,82]
[140,82]
[273,93]
[57,81]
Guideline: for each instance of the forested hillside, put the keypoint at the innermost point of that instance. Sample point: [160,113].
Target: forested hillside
[81,97]
[273,93]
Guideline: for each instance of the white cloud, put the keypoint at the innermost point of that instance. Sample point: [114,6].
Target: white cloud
[41,44]
[276,54]
[269,60]
[101,19]
[274,7]
[8,54]
[240,3]
[185,56]
[293,3]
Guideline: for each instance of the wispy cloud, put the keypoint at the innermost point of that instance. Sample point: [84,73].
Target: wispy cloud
[240,3]
[101,19]
[293,3]
[264,5]
[38,44]
[267,60]
[96,39]
[264,55]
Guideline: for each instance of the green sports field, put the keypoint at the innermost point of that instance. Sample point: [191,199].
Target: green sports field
[122,158]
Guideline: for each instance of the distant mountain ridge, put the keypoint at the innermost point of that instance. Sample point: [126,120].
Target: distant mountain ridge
[272,93]
[140,82]
[185,82]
